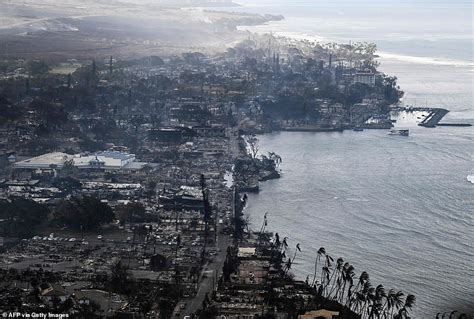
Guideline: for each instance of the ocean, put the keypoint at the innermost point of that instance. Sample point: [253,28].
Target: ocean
[400,208]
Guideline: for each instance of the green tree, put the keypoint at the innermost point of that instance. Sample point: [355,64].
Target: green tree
[84,213]
[21,216]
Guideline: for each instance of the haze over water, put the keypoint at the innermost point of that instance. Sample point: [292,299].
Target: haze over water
[399,208]
[427,44]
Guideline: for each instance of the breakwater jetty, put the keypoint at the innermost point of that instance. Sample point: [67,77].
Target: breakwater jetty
[455,124]
[433,118]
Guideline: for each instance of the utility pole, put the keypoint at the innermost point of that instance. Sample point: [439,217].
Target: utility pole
[207,214]
[111,65]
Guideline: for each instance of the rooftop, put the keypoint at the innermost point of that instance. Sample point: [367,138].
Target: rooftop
[116,155]
[45,161]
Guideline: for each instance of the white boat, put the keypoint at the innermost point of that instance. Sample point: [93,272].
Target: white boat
[470,178]
[398,132]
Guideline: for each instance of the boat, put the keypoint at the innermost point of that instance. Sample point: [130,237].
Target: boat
[470,178]
[358,129]
[398,132]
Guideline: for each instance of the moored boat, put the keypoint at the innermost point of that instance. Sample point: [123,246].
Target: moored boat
[398,132]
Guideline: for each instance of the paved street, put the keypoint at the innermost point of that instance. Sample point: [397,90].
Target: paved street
[208,277]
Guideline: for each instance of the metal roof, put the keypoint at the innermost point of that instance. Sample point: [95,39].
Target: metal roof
[115,155]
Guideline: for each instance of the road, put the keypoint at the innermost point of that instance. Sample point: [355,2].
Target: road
[209,277]
[211,271]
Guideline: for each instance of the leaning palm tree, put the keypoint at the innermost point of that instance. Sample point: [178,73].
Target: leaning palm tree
[369,297]
[284,243]
[337,271]
[358,301]
[348,276]
[409,302]
[340,280]
[363,278]
[264,225]
[277,241]
[287,265]
[298,249]
[325,277]
[290,261]
[321,252]
[283,247]
[326,272]
[377,304]
[393,301]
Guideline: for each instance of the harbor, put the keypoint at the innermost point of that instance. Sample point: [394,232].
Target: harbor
[434,117]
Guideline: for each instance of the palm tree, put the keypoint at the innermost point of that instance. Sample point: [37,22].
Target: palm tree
[340,280]
[298,249]
[262,229]
[347,275]
[363,278]
[409,302]
[369,292]
[277,241]
[284,243]
[264,224]
[325,274]
[321,251]
[358,301]
[377,304]
[337,270]
[287,265]
[393,300]
[290,261]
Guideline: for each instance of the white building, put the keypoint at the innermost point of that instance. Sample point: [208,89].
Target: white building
[365,78]
[107,160]
[46,161]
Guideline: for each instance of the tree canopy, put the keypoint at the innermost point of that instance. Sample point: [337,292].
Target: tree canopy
[20,216]
[131,212]
[83,212]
